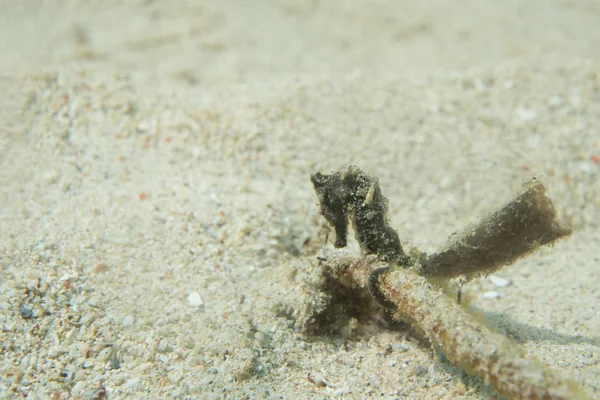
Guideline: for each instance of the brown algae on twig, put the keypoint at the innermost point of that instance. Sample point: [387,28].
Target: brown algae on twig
[517,229]
[412,286]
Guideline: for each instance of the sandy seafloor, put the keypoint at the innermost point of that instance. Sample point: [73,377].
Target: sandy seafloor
[153,149]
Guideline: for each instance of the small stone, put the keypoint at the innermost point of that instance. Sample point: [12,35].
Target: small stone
[143,126]
[491,295]
[38,311]
[104,354]
[51,176]
[127,320]
[132,383]
[101,268]
[80,375]
[399,347]
[83,349]
[526,114]
[87,319]
[317,380]
[78,388]
[25,311]
[195,299]
[341,391]
[420,370]
[498,281]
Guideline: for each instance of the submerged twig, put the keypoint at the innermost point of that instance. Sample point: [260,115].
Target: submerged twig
[517,229]
[466,342]
[520,227]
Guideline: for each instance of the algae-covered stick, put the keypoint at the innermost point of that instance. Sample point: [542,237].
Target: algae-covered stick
[468,344]
[524,224]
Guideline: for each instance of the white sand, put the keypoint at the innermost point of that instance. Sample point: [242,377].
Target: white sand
[151,149]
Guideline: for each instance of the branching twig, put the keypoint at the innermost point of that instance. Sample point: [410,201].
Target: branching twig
[517,229]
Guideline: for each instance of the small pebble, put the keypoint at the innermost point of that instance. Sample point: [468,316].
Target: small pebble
[344,390]
[104,354]
[80,375]
[143,126]
[51,176]
[25,311]
[399,347]
[491,295]
[83,349]
[526,114]
[420,370]
[132,383]
[78,388]
[195,299]
[498,281]
[317,380]
[87,319]
[38,311]
[101,268]
[127,320]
